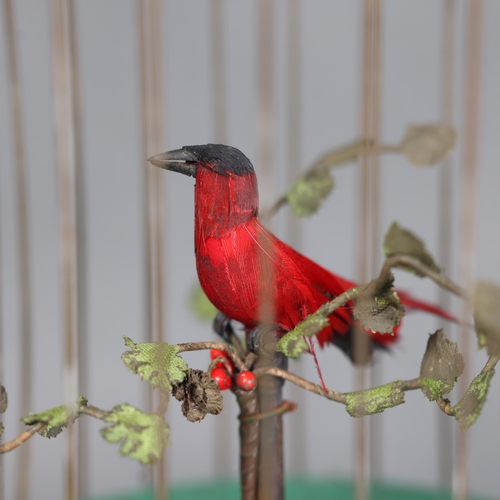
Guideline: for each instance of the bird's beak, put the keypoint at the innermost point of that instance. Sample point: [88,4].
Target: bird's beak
[178,160]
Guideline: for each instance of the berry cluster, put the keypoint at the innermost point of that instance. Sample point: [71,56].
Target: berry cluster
[224,370]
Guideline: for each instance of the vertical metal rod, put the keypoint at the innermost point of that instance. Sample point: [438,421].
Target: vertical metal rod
[217,26]
[375,428]
[294,108]
[220,136]
[468,214]
[266,101]
[270,480]
[368,199]
[82,260]
[65,167]
[297,458]
[23,468]
[143,71]
[445,217]
[150,29]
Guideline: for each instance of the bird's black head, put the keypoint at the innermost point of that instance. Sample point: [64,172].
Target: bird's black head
[224,160]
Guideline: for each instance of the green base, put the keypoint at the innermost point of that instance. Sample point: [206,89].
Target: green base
[296,489]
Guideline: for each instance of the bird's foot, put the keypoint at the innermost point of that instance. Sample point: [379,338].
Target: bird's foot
[262,341]
[222,327]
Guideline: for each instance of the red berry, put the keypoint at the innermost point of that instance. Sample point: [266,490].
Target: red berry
[220,354]
[246,380]
[222,377]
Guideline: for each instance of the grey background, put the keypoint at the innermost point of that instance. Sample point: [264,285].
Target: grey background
[319,436]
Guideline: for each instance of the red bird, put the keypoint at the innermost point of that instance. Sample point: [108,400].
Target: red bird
[231,247]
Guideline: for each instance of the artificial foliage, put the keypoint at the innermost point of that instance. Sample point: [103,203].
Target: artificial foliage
[143,436]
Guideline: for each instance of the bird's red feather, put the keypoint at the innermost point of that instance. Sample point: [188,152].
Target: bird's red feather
[232,247]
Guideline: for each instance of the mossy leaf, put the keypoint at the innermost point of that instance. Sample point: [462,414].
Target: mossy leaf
[470,406]
[486,303]
[143,436]
[428,144]
[375,400]
[306,195]
[293,343]
[156,362]
[56,418]
[378,308]
[399,241]
[441,366]
[200,305]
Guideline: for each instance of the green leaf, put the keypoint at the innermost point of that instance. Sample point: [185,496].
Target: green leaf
[399,241]
[293,344]
[375,400]
[2,428]
[57,418]
[470,406]
[143,436]
[441,366]
[378,308]
[200,305]
[306,195]
[428,144]
[486,303]
[156,362]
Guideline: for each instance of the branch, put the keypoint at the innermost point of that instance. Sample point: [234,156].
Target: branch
[338,397]
[333,158]
[445,404]
[19,440]
[416,265]
[200,346]
[93,411]
[490,364]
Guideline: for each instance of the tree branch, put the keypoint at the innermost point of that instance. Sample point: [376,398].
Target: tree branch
[333,158]
[200,346]
[416,265]
[445,404]
[338,397]
[93,411]
[19,440]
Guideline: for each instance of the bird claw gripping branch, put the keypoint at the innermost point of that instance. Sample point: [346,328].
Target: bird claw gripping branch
[222,327]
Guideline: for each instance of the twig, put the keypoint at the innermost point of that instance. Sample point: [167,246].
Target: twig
[338,397]
[445,405]
[93,411]
[334,158]
[200,346]
[19,440]
[236,343]
[250,360]
[490,364]
[416,265]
